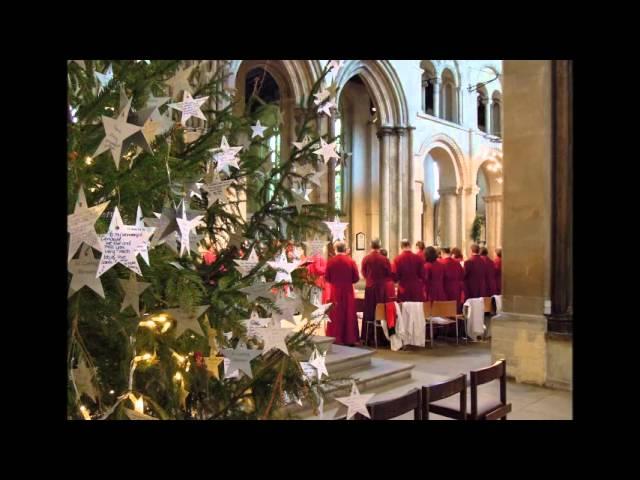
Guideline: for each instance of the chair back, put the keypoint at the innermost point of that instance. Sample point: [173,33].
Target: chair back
[497,371]
[380,312]
[440,391]
[388,409]
[444,309]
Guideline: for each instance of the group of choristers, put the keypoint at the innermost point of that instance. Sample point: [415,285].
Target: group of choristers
[429,274]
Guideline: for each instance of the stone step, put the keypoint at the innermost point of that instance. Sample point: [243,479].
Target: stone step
[324,344]
[374,374]
[342,358]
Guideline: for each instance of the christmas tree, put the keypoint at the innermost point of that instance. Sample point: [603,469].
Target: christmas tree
[184,240]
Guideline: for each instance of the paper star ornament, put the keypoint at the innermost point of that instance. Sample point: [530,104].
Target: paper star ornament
[117,130]
[185,225]
[301,198]
[288,306]
[327,151]
[337,229]
[187,321]
[217,191]
[84,271]
[318,361]
[356,403]
[273,337]
[240,359]
[225,156]
[245,266]
[297,323]
[213,365]
[305,141]
[335,65]
[180,81]
[132,291]
[104,78]
[283,267]
[122,243]
[321,96]
[326,107]
[155,102]
[257,130]
[80,224]
[190,107]
[259,289]
[83,378]
[255,323]
[145,245]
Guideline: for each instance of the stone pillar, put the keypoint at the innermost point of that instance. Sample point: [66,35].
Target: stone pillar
[493,204]
[436,98]
[326,188]
[468,215]
[372,166]
[448,216]
[385,157]
[519,332]
[413,233]
[487,114]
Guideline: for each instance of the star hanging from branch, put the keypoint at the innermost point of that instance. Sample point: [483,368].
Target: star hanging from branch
[185,225]
[226,156]
[132,291]
[245,266]
[327,151]
[180,81]
[337,228]
[240,359]
[122,245]
[104,78]
[117,130]
[356,403]
[190,107]
[80,224]
[84,271]
[186,320]
[257,130]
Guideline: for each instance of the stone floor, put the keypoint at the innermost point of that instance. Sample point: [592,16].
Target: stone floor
[445,361]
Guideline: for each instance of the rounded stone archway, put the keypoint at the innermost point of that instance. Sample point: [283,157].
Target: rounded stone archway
[490,174]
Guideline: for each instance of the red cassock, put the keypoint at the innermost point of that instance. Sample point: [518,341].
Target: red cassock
[342,273]
[318,269]
[474,277]
[489,276]
[453,281]
[408,271]
[434,281]
[498,264]
[376,269]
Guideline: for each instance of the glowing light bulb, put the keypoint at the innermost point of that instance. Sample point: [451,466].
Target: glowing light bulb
[177,377]
[138,405]
[112,392]
[166,327]
[146,356]
[88,160]
[85,412]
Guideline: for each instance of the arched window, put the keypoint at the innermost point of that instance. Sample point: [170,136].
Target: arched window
[482,108]
[339,170]
[260,89]
[496,118]
[429,80]
[449,96]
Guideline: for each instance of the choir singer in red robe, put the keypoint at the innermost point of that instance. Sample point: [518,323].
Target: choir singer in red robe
[474,275]
[489,272]
[498,264]
[408,271]
[453,278]
[433,276]
[375,269]
[342,273]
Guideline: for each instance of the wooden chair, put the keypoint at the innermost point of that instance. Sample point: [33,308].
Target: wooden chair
[388,409]
[495,410]
[377,322]
[440,391]
[442,313]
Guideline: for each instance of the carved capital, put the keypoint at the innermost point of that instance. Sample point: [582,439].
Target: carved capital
[384,131]
[450,191]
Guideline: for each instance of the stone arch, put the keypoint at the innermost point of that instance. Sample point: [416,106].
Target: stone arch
[490,165]
[296,76]
[384,88]
[455,168]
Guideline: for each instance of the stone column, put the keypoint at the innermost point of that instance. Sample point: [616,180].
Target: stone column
[519,333]
[385,153]
[487,114]
[327,184]
[468,215]
[412,232]
[372,169]
[493,205]
[448,216]
[436,98]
